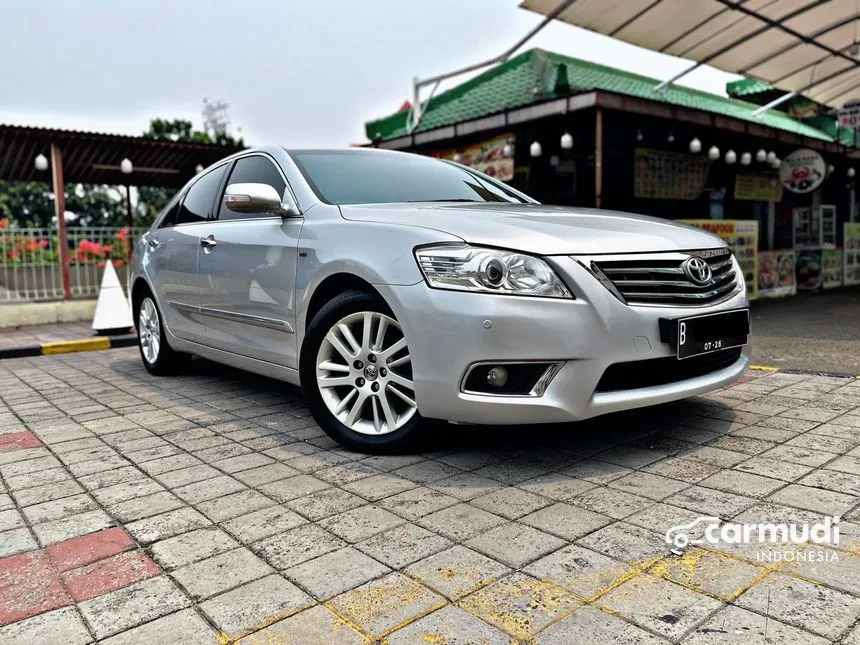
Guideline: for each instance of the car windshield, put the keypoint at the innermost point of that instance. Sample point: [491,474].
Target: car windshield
[373,177]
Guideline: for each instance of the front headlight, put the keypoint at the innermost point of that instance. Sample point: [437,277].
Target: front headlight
[472,268]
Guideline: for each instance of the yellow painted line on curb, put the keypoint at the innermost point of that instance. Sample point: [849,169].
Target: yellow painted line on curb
[68,346]
[764,368]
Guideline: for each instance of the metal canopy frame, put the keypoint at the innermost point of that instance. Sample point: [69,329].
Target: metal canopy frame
[416,112]
[799,46]
[94,157]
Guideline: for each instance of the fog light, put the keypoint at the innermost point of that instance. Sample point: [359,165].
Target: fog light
[509,378]
[497,376]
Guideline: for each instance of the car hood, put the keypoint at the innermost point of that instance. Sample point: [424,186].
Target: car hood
[541,229]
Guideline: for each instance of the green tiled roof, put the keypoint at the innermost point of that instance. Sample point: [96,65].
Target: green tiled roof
[747,86]
[531,78]
[827,124]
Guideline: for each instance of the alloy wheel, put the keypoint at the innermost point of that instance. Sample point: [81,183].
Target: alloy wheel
[149,330]
[364,373]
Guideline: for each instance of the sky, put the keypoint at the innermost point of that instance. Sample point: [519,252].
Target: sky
[297,73]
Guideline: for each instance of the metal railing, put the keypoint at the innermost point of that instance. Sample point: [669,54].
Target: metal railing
[32,261]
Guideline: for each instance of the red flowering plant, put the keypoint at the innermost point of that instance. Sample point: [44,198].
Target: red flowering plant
[88,252]
[24,247]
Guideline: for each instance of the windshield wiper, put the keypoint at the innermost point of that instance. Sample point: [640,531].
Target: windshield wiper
[456,199]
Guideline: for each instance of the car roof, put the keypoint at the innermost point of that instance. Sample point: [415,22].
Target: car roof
[352,150]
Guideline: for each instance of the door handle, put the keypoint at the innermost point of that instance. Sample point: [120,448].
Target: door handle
[154,244]
[208,242]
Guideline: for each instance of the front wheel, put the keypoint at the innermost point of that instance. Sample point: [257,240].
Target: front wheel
[356,374]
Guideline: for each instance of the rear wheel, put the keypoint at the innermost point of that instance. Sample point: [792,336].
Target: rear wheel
[356,374]
[158,356]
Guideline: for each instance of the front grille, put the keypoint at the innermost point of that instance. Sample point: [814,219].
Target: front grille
[660,279]
[660,371]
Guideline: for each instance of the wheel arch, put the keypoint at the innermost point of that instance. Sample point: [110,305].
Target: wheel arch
[138,288]
[331,287]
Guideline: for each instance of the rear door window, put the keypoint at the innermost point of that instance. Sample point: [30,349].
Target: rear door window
[200,198]
[170,212]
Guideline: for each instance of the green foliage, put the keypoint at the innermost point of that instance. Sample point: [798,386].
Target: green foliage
[182,130]
[175,130]
[26,203]
[31,204]
[150,202]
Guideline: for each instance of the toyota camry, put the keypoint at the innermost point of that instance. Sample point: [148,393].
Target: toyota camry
[394,287]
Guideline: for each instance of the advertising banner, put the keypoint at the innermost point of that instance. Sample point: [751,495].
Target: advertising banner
[760,188]
[742,237]
[487,156]
[669,175]
[851,253]
[776,277]
[802,171]
[810,276]
[849,115]
[833,268]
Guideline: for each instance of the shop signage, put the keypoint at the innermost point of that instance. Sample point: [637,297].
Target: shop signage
[832,265]
[487,156]
[849,115]
[852,253]
[760,188]
[802,171]
[776,274]
[742,237]
[668,175]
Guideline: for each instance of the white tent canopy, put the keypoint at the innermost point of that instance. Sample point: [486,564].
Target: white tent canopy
[804,46]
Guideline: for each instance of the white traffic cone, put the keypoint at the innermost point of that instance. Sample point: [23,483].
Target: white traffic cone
[113,314]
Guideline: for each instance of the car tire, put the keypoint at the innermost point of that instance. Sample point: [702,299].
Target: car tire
[377,375]
[158,357]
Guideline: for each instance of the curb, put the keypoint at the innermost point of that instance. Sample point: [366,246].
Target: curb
[70,346]
[789,370]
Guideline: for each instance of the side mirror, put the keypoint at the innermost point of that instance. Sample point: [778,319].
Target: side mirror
[257,198]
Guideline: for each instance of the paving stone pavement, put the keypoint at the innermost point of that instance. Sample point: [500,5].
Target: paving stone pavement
[210,508]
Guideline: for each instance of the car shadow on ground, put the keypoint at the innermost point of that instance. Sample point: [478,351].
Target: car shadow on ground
[605,447]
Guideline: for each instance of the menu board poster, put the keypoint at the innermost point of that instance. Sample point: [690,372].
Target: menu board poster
[851,253]
[487,156]
[810,277]
[832,268]
[776,277]
[742,237]
[760,188]
[668,175]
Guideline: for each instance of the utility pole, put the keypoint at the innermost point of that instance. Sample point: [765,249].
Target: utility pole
[216,120]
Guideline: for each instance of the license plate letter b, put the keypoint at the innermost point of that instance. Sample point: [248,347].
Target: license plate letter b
[682,333]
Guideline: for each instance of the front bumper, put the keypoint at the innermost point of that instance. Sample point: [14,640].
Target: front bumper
[448,331]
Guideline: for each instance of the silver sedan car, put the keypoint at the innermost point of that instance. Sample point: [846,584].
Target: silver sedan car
[395,287]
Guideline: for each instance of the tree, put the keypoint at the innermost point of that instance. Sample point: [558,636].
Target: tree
[31,204]
[26,203]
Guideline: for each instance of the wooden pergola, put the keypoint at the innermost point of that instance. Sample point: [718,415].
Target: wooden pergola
[29,154]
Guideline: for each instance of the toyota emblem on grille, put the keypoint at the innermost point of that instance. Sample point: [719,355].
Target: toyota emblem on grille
[697,270]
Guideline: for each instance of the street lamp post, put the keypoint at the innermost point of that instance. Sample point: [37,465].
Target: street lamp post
[126,168]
